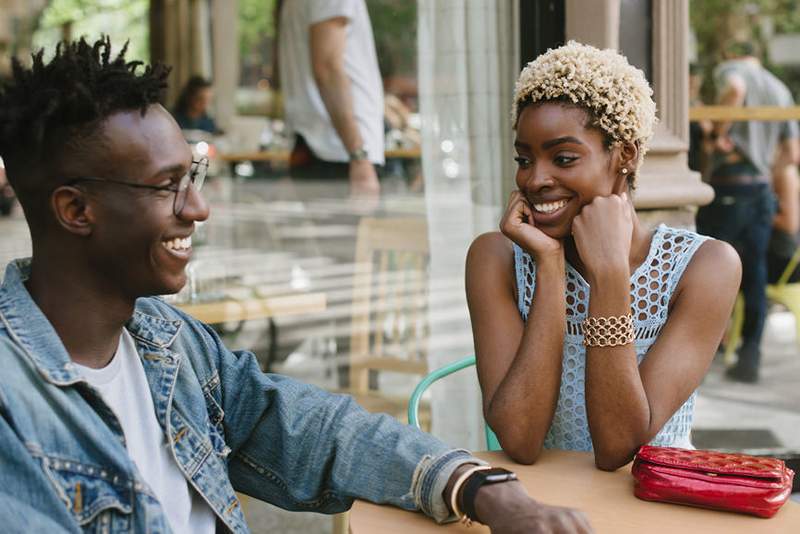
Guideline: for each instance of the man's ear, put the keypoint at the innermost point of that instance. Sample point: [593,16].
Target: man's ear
[71,210]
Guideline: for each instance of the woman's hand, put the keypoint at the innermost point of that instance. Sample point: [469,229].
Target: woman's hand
[603,231]
[517,225]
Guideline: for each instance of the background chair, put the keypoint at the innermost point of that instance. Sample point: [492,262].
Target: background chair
[388,331]
[492,443]
[782,292]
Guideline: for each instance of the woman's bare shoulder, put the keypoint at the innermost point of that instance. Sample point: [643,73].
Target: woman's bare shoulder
[715,266]
[492,249]
[490,266]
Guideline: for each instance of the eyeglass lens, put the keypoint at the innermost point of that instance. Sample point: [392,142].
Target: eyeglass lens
[196,176]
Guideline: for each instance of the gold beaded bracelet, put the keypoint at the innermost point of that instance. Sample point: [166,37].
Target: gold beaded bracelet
[608,331]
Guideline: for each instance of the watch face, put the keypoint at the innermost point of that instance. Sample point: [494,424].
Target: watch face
[497,474]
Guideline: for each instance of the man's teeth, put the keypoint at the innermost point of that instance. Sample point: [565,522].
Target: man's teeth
[550,207]
[178,243]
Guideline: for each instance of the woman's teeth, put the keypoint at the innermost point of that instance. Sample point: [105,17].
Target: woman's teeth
[178,243]
[550,207]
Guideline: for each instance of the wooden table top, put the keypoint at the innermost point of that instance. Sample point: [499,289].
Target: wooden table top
[256,308]
[570,479]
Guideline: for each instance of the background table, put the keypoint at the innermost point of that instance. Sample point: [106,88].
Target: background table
[282,156]
[570,479]
[255,308]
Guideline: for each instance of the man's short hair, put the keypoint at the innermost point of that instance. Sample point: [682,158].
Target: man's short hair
[51,110]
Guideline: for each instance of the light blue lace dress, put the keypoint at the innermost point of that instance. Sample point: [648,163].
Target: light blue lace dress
[652,285]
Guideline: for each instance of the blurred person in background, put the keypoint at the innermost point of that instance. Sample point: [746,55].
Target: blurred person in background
[744,205]
[699,131]
[784,239]
[332,90]
[191,110]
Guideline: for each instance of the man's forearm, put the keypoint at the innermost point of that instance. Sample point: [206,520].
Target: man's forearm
[334,87]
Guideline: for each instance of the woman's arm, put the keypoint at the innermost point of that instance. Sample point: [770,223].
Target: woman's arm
[519,364]
[628,404]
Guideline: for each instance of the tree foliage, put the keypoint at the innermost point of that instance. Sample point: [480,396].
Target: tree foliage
[718,22]
[121,19]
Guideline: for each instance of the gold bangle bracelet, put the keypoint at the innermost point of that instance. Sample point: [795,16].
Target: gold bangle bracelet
[608,331]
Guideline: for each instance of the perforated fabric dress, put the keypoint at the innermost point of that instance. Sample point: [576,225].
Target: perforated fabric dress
[652,285]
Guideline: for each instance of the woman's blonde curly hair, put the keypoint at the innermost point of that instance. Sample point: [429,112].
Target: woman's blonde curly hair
[615,93]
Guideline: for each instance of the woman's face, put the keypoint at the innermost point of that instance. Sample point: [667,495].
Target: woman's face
[562,165]
[202,100]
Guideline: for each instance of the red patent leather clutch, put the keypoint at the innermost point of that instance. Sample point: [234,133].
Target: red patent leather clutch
[710,479]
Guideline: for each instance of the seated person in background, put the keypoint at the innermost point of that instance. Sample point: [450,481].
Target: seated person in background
[591,331]
[191,110]
[120,413]
[783,241]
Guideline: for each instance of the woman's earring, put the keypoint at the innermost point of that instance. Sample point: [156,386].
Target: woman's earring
[624,170]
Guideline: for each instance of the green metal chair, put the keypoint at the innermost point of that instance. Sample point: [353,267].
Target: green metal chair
[783,292]
[413,404]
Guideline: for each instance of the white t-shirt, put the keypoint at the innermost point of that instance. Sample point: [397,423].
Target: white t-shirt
[123,386]
[305,110]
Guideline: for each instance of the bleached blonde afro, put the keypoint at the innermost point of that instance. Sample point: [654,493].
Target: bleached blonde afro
[601,81]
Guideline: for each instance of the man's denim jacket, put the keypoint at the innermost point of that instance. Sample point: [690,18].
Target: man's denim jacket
[63,462]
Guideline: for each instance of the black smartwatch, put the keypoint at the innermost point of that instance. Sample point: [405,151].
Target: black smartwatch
[477,480]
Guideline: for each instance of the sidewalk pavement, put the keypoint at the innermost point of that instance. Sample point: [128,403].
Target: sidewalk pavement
[733,415]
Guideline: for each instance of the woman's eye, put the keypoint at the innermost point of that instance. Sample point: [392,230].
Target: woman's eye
[564,160]
[522,162]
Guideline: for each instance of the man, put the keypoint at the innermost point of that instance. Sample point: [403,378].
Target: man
[118,412]
[332,89]
[744,205]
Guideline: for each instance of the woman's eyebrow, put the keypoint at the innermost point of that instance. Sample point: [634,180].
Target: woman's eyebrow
[561,140]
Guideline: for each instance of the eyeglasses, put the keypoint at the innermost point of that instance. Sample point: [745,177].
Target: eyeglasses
[196,176]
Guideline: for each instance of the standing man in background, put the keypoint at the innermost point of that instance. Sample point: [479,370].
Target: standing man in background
[744,204]
[332,92]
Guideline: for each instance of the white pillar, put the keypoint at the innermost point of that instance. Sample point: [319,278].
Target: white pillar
[225,32]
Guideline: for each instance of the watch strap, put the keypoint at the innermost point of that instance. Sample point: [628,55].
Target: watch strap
[476,481]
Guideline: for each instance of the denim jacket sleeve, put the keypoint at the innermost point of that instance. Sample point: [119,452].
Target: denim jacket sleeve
[301,448]
[27,500]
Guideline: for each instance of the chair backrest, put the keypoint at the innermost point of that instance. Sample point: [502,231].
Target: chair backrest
[492,443]
[389,321]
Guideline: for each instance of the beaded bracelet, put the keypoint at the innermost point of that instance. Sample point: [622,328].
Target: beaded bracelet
[608,331]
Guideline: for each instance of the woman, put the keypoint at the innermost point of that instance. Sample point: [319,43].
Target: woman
[191,110]
[574,265]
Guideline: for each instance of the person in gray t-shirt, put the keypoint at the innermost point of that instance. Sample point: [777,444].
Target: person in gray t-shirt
[744,205]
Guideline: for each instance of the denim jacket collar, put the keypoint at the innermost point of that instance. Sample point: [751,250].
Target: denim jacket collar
[18,312]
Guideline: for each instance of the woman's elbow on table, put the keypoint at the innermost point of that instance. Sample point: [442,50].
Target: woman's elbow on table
[521,449]
[612,460]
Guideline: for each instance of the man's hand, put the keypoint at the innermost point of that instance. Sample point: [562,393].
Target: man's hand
[506,508]
[364,184]
[724,144]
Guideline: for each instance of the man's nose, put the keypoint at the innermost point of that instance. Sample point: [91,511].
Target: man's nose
[196,208]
